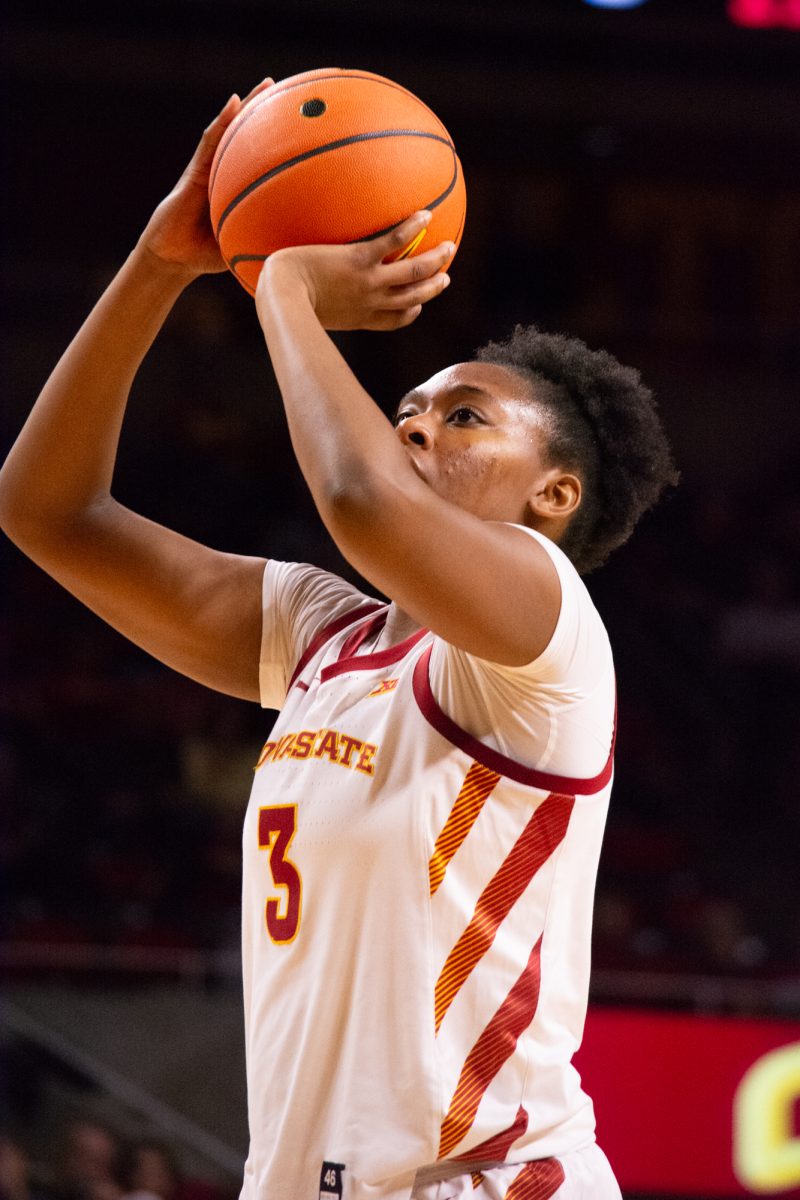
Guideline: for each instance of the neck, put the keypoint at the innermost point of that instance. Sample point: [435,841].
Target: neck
[552,527]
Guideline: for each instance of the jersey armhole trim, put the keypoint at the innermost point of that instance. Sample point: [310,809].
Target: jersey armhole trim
[326,633]
[493,759]
[372,662]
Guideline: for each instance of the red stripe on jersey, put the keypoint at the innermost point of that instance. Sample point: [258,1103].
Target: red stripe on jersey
[497,1147]
[372,662]
[478,785]
[360,635]
[493,1048]
[326,633]
[543,833]
[538,1180]
[493,759]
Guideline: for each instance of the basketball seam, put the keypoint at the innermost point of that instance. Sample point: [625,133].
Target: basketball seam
[287,86]
[317,150]
[433,204]
[233,262]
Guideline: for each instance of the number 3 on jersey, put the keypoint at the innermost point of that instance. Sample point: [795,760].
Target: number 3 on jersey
[276,828]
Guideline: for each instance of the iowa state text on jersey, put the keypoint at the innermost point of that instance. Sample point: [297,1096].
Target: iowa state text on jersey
[340,748]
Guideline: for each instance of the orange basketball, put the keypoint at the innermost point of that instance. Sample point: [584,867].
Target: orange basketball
[331,156]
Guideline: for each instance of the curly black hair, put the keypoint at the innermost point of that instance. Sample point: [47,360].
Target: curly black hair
[605,427]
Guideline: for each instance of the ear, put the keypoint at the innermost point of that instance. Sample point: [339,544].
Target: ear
[556,495]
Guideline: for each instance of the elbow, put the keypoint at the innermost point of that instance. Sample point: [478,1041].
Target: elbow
[362,507]
[22,527]
[20,518]
[349,502]
[41,530]
[12,511]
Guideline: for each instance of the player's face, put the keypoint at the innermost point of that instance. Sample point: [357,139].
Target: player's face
[476,439]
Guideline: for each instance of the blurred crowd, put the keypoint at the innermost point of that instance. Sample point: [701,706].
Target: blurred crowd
[125,785]
[90,1161]
[700,865]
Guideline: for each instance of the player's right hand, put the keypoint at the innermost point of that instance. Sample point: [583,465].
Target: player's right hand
[179,234]
[354,286]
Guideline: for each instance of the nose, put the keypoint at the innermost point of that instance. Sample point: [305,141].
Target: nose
[416,430]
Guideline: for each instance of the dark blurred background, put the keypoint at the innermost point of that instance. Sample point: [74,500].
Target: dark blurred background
[632,178]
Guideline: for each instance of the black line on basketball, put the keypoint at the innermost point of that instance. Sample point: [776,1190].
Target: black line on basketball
[433,204]
[286,86]
[233,263]
[337,145]
[240,258]
[237,258]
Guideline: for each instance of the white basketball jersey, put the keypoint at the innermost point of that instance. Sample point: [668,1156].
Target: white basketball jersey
[417,916]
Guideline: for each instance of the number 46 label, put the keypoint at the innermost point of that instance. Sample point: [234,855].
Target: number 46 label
[330,1181]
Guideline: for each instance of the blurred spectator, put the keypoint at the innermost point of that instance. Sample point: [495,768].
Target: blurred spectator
[150,1172]
[764,628]
[89,1166]
[16,1181]
[725,943]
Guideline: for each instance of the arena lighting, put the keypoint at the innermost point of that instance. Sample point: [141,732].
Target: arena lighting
[765,14]
[615,3]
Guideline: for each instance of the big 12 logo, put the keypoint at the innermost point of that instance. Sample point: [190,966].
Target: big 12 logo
[766,1146]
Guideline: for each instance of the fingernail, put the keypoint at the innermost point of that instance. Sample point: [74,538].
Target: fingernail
[446,283]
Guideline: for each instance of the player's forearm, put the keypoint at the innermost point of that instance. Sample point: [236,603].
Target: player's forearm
[346,448]
[63,460]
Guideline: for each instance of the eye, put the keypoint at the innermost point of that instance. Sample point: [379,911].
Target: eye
[463,415]
[401,416]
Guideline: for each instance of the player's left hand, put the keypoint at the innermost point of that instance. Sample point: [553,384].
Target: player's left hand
[353,287]
[179,233]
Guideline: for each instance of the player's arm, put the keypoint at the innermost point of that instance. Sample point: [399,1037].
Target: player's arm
[485,587]
[194,608]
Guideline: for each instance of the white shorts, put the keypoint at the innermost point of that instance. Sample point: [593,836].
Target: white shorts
[583,1175]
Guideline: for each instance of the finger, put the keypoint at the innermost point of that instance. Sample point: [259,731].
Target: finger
[212,135]
[407,316]
[258,89]
[233,106]
[223,118]
[398,238]
[421,266]
[385,322]
[416,293]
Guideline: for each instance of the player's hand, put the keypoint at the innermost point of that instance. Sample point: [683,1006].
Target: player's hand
[352,287]
[179,233]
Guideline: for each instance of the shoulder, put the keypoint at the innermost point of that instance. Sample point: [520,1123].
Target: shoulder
[555,712]
[300,594]
[579,639]
[300,603]
[577,655]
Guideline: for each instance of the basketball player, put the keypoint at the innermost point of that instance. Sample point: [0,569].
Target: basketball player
[421,844]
